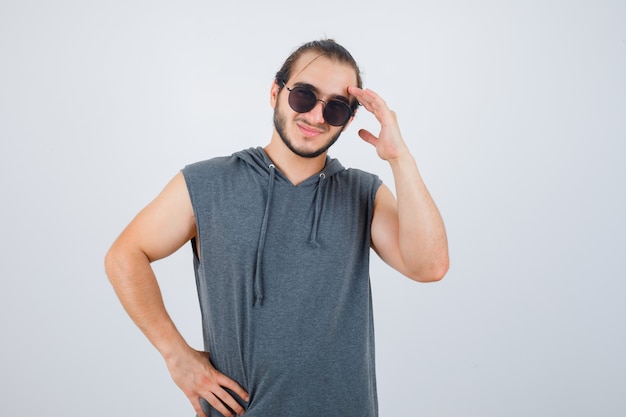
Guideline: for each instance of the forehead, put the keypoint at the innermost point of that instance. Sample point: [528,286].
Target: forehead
[328,76]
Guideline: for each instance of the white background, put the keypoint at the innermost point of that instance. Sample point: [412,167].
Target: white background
[515,112]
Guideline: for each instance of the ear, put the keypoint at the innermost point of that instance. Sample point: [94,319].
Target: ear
[274,94]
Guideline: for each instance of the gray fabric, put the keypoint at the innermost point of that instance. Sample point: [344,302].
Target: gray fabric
[283,283]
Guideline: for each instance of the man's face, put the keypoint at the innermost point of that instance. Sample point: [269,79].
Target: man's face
[307,134]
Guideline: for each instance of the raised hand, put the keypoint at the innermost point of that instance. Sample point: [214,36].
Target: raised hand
[389,143]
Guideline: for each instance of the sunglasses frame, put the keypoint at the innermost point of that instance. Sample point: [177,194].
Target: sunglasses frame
[351,108]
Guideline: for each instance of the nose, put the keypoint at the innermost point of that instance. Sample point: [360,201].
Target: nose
[317,112]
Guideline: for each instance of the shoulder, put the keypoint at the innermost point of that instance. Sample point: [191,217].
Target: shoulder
[202,172]
[359,173]
[208,165]
[361,178]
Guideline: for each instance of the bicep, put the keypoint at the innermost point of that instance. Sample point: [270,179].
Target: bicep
[385,229]
[164,225]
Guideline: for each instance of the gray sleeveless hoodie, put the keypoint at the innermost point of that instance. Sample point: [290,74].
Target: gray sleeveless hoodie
[283,280]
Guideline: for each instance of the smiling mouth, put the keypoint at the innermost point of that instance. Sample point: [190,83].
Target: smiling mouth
[308,130]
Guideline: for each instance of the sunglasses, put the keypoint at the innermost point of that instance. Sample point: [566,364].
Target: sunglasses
[302,100]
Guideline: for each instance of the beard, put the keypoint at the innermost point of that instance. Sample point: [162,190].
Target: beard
[279,125]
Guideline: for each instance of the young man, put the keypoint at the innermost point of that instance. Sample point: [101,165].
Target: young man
[281,238]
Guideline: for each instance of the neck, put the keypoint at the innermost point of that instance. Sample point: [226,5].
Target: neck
[294,167]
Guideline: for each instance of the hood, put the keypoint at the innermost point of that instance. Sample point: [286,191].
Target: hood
[262,164]
[258,161]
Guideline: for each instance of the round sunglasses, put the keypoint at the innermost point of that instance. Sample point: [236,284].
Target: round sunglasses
[302,100]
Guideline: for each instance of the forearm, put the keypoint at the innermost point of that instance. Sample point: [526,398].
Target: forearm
[422,237]
[135,284]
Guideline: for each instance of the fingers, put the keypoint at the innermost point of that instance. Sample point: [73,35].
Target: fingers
[389,143]
[197,406]
[218,397]
[222,403]
[229,383]
[202,383]
[372,102]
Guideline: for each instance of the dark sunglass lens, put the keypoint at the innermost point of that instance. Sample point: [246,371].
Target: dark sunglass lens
[336,113]
[302,100]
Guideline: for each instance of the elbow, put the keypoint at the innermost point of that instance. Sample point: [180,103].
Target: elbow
[111,262]
[123,261]
[116,261]
[432,272]
[438,272]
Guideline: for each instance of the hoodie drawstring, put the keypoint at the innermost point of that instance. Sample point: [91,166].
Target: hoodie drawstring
[258,277]
[318,211]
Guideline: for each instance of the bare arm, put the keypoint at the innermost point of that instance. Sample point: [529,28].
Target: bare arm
[159,230]
[409,233]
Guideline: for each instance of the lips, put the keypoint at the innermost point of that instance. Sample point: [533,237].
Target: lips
[308,130]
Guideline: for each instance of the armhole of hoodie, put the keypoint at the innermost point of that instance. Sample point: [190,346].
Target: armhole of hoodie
[195,241]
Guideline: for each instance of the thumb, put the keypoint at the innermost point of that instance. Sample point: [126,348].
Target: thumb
[368,137]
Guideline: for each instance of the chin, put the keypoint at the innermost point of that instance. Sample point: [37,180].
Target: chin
[279,125]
